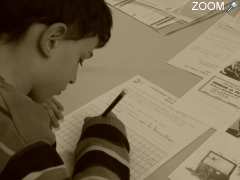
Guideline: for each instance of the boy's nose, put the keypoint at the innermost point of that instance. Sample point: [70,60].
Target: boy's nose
[73,78]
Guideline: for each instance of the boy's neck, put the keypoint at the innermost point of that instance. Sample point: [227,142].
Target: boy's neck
[14,68]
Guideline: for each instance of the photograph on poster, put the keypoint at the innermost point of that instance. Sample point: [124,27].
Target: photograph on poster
[213,167]
[217,159]
[232,71]
[234,129]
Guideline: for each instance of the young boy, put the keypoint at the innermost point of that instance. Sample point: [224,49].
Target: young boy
[42,43]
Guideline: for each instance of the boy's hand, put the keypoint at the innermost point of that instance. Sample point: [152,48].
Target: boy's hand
[111,115]
[105,137]
[54,109]
[110,120]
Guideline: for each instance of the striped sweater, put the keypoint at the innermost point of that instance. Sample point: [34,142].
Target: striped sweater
[28,146]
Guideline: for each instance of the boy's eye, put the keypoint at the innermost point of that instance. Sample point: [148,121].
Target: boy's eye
[90,54]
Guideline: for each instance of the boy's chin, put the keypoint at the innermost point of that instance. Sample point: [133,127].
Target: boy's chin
[37,97]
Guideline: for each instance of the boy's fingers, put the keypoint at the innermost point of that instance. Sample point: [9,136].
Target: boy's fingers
[54,117]
[58,104]
[57,112]
[111,115]
[54,121]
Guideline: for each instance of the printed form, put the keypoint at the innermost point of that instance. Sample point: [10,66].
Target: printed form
[114,2]
[173,7]
[156,131]
[141,12]
[165,4]
[148,15]
[211,50]
[216,99]
[217,159]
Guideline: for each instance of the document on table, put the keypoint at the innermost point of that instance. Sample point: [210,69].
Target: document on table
[141,12]
[180,9]
[156,131]
[114,2]
[150,16]
[211,50]
[145,14]
[216,99]
[217,159]
[165,4]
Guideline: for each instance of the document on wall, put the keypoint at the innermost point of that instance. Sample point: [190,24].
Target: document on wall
[156,131]
[211,50]
[217,159]
[216,99]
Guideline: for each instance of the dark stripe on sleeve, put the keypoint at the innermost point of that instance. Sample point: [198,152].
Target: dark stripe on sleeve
[36,157]
[54,145]
[108,133]
[99,158]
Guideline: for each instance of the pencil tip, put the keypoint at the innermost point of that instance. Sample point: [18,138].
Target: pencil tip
[124,91]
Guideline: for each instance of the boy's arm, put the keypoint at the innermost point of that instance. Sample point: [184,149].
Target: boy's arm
[31,156]
[102,152]
[38,161]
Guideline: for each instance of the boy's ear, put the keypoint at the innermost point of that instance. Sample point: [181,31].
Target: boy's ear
[50,37]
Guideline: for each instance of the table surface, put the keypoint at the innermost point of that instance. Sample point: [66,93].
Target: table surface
[137,49]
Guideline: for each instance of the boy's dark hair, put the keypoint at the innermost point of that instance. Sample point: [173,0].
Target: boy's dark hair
[84,18]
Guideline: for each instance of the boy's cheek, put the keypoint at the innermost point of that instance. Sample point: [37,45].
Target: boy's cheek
[47,89]
[40,95]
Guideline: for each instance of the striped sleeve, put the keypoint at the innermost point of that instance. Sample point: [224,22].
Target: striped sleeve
[103,150]
[38,161]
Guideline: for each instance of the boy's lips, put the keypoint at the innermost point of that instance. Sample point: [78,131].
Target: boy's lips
[59,92]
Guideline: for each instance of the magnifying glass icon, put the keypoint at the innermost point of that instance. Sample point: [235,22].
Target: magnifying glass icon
[232,5]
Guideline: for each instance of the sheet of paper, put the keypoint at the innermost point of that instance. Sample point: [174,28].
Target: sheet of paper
[150,16]
[211,50]
[178,9]
[185,11]
[217,159]
[165,4]
[182,9]
[216,99]
[164,23]
[155,130]
[141,12]
[114,2]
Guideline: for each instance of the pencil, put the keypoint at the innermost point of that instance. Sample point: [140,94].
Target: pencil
[114,103]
